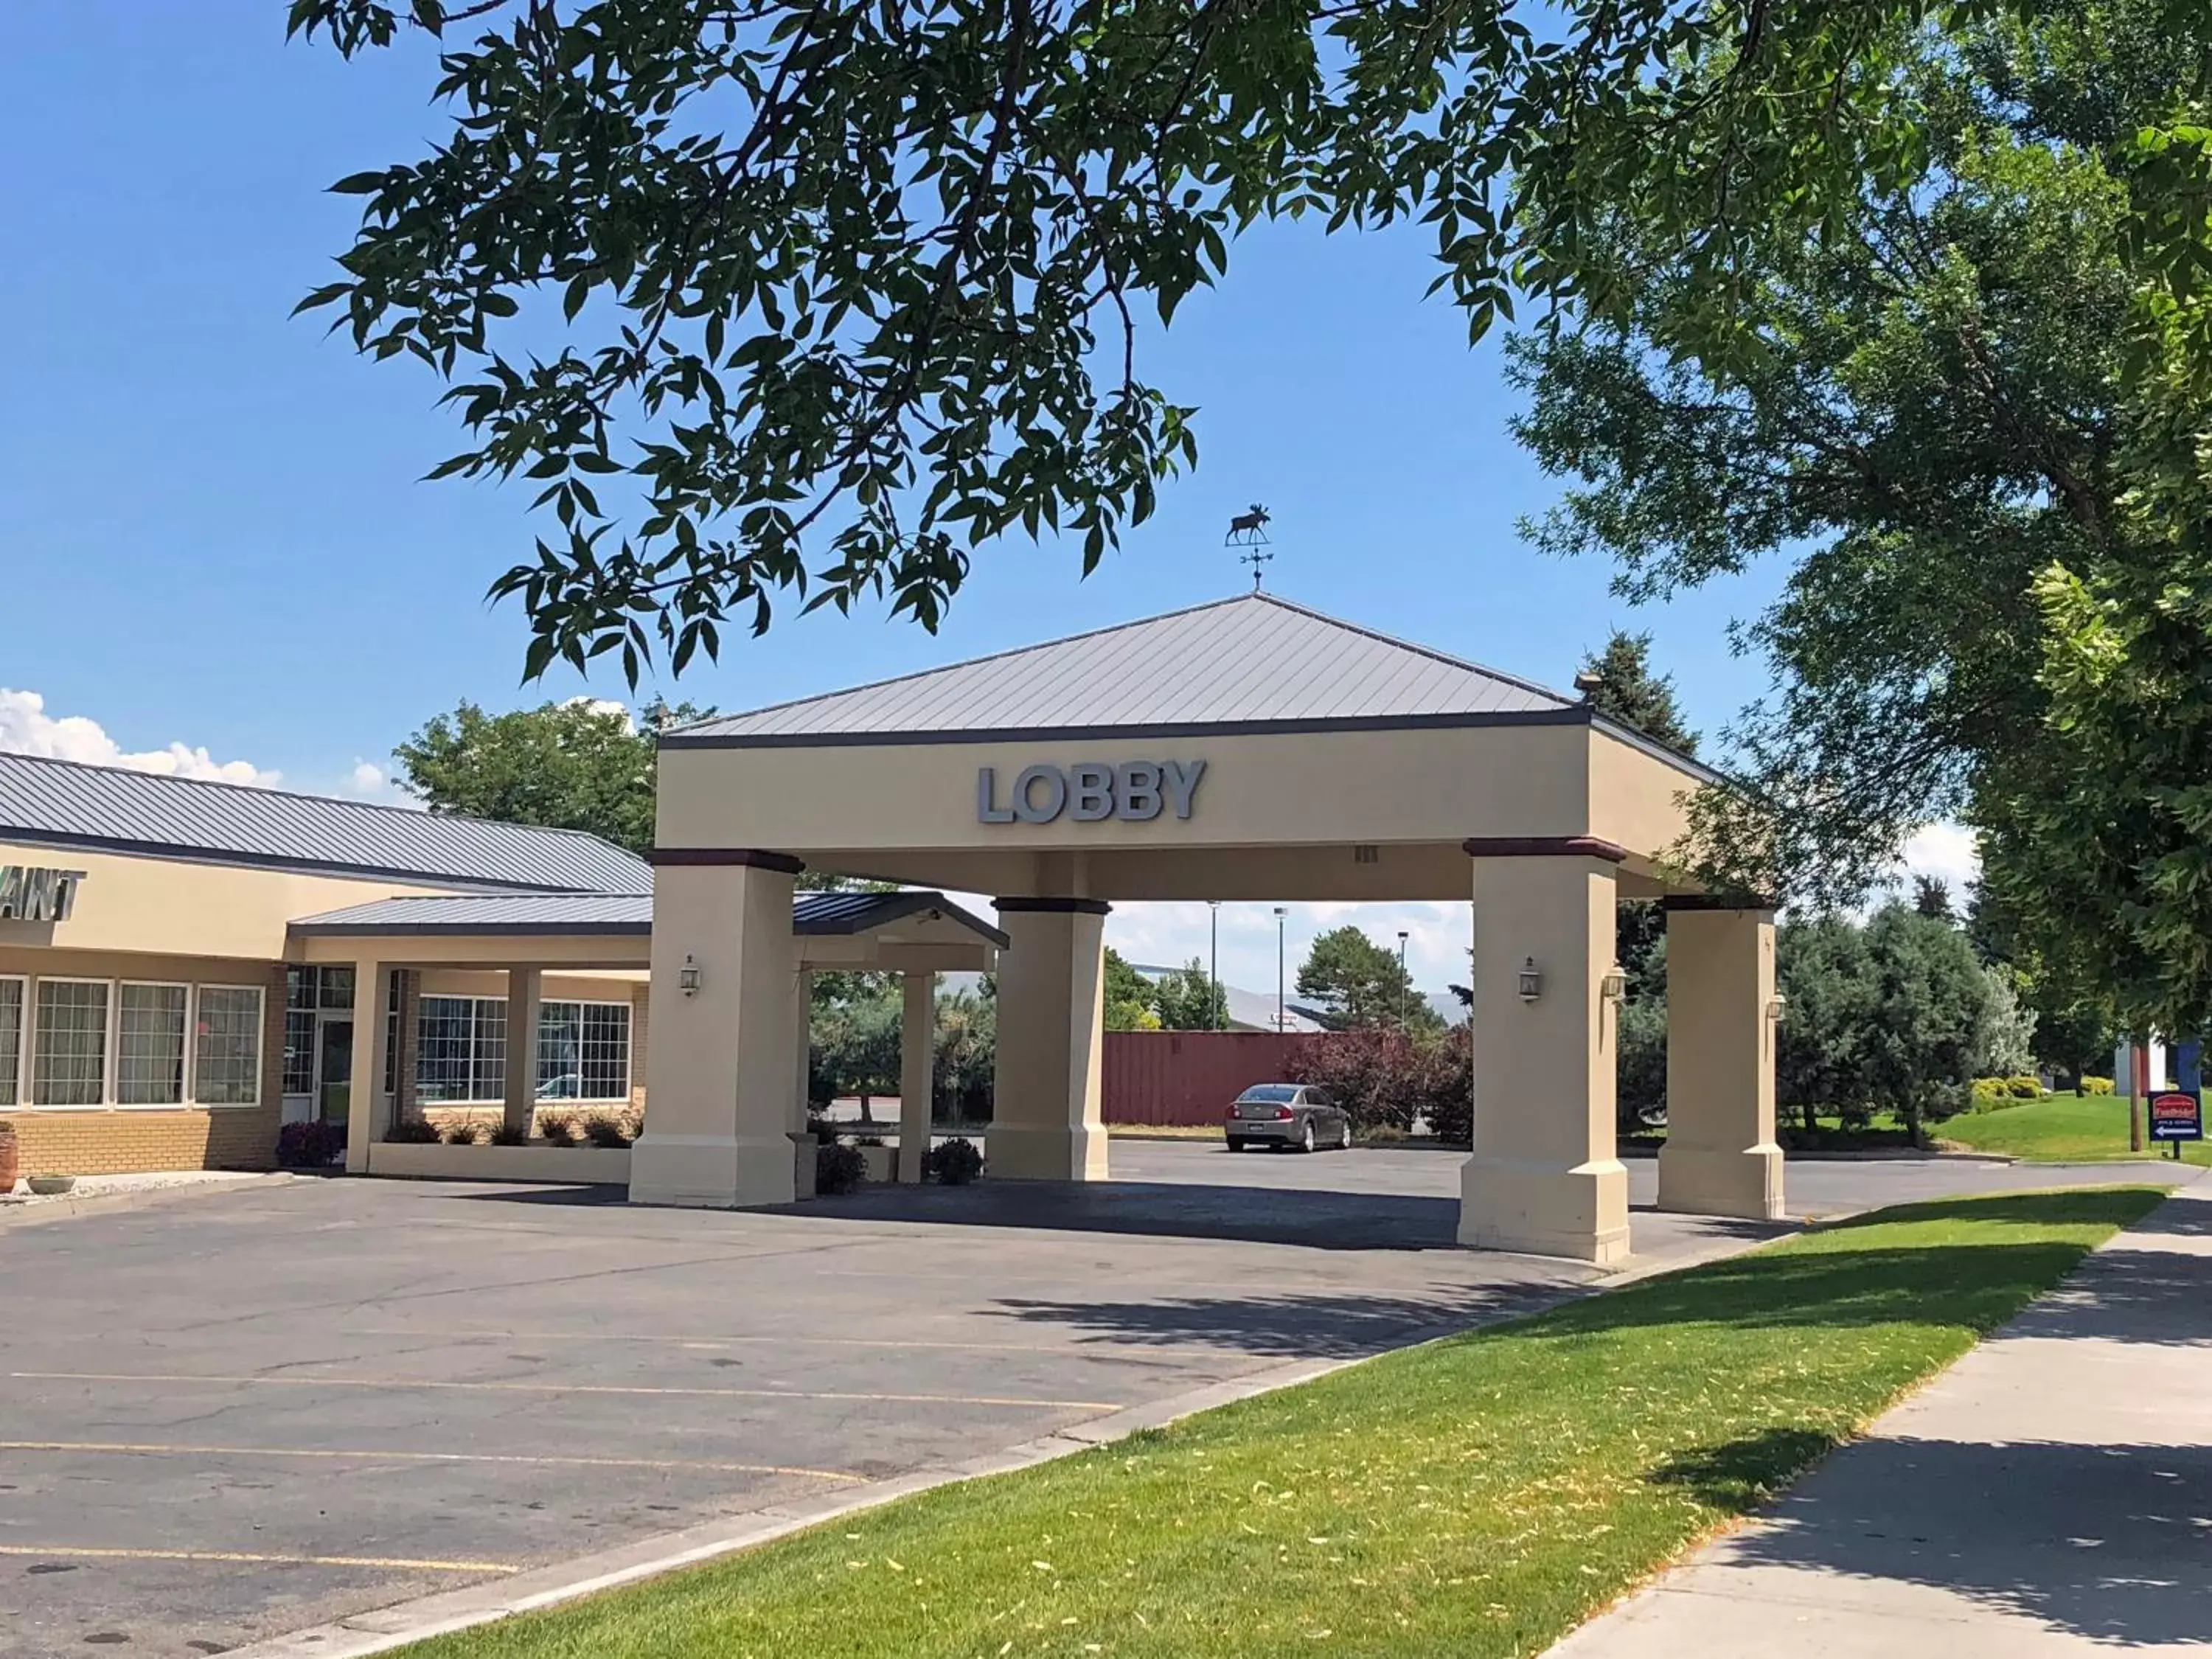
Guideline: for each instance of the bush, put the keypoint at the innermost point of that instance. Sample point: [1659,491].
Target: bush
[605,1129]
[1388,1081]
[2096,1085]
[1987,1094]
[838,1168]
[504,1133]
[955,1164]
[313,1146]
[558,1131]
[412,1131]
[464,1132]
[2024,1088]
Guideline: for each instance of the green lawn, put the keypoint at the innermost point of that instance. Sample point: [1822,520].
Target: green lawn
[2058,1129]
[1476,1496]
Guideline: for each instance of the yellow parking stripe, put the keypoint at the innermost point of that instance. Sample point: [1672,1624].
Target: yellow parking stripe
[131,1448]
[574,1388]
[236,1557]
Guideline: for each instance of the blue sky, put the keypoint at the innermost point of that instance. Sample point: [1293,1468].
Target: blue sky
[214,534]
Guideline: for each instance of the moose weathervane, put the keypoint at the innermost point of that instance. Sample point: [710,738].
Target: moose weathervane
[1248,530]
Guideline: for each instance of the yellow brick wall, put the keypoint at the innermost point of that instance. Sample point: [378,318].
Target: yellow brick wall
[130,1140]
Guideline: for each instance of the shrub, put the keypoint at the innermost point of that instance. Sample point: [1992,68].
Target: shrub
[823,1131]
[605,1129]
[558,1131]
[464,1132]
[504,1133]
[311,1145]
[2097,1085]
[955,1164]
[2024,1088]
[838,1168]
[1388,1081]
[412,1131]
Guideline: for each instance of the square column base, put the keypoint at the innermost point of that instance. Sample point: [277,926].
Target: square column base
[1542,1209]
[711,1172]
[1746,1184]
[1044,1152]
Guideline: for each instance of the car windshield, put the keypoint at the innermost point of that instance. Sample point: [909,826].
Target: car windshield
[1271,1094]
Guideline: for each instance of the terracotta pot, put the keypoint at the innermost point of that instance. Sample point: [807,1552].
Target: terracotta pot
[9,1154]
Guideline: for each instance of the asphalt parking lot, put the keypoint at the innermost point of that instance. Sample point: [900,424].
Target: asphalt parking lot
[233,1415]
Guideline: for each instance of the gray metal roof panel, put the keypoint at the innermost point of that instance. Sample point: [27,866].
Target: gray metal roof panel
[835,912]
[100,808]
[1253,660]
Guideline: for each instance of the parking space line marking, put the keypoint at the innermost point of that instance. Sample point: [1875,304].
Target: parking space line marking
[580,1388]
[127,1448]
[237,1557]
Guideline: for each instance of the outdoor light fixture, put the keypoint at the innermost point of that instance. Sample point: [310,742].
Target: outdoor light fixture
[1615,986]
[687,977]
[1531,981]
[1778,1009]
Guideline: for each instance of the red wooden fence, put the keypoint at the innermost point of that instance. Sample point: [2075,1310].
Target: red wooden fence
[1189,1077]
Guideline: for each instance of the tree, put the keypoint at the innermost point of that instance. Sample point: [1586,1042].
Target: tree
[1628,691]
[1971,411]
[1129,997]
[1928,1013]
[844,291]
[1931,897]
[573,765]
[1361,983]
[1191,999]
[967,1052]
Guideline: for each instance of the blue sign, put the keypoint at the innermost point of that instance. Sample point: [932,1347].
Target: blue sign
[2177,1117]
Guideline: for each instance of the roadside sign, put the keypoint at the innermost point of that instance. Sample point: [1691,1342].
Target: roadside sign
[2177,1117]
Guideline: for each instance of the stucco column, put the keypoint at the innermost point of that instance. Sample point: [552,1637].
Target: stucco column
[718,1115]
[917,1072]
[1720,1158]
[1044,1119]
[526,989]
[1544,1176]
[366,1115]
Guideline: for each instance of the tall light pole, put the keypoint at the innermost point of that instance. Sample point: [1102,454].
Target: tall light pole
[1281,1022]
[1213,967]
[1401,979]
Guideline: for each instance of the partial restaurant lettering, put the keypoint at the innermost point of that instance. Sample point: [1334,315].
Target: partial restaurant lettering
[29,893]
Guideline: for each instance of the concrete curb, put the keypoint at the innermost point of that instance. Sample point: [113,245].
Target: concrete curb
[381,1630]
[15,1212]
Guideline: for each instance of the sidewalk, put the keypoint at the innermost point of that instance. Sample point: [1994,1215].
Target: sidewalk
[2050,1495]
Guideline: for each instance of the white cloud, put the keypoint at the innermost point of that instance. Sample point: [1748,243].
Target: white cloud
[26,728]
[370,782]
[1950,852]
[605,706]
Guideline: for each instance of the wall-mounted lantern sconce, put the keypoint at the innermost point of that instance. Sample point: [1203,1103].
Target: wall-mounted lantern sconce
[687,977]
[1531,981]
[1614,987]
[1778,1009]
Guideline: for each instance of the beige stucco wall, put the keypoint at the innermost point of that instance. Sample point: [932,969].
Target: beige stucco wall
[1636,800]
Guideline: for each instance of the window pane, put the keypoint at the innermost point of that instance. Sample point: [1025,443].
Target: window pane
[490,1063]
[227,1061]
[299,988]
[149,1045]
[11,1039]
[69,1056]
[392,1032]
[299,1051]
[560,1051]
[338,988]
[606,1051]
[444,1039]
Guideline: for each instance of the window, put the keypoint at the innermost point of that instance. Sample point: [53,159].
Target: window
[392,989]
[69,1051]
[583,1051]
[149,1044]
[11,1042]
[461,1050]
[227,1046]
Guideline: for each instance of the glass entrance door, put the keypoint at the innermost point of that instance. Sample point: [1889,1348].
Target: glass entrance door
[334,1070]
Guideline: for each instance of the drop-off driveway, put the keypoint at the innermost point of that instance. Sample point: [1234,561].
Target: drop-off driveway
[232,1414]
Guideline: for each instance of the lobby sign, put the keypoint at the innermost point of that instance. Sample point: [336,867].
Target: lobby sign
[31,893]
[2177,1116]
[1090,792]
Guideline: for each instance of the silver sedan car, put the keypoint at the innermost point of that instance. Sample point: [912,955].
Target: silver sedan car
[1286,1115]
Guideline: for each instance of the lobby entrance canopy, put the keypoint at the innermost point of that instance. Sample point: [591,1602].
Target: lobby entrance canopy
[1247,750]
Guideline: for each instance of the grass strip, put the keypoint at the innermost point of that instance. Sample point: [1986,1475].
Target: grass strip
[1475,1496]
[2060,1129]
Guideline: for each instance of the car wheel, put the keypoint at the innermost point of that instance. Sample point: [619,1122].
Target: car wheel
[1306,1139]
[1344,1137]
[1238,1146]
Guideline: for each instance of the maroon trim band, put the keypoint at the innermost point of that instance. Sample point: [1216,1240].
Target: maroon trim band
[1715,901]
[751,857]
[1051,907]
[1543,846]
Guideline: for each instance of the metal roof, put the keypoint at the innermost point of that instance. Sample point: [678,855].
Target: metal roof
[615,913]
[108,809]
[1255,661]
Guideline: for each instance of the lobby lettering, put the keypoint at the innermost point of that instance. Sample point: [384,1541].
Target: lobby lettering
[1136,791]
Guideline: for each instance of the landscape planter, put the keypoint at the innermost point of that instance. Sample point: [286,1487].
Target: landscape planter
[10,1158]
[880,1163]
[575,1165]
[50,1185]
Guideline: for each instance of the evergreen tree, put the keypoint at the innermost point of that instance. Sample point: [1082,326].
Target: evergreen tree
[1627,690]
